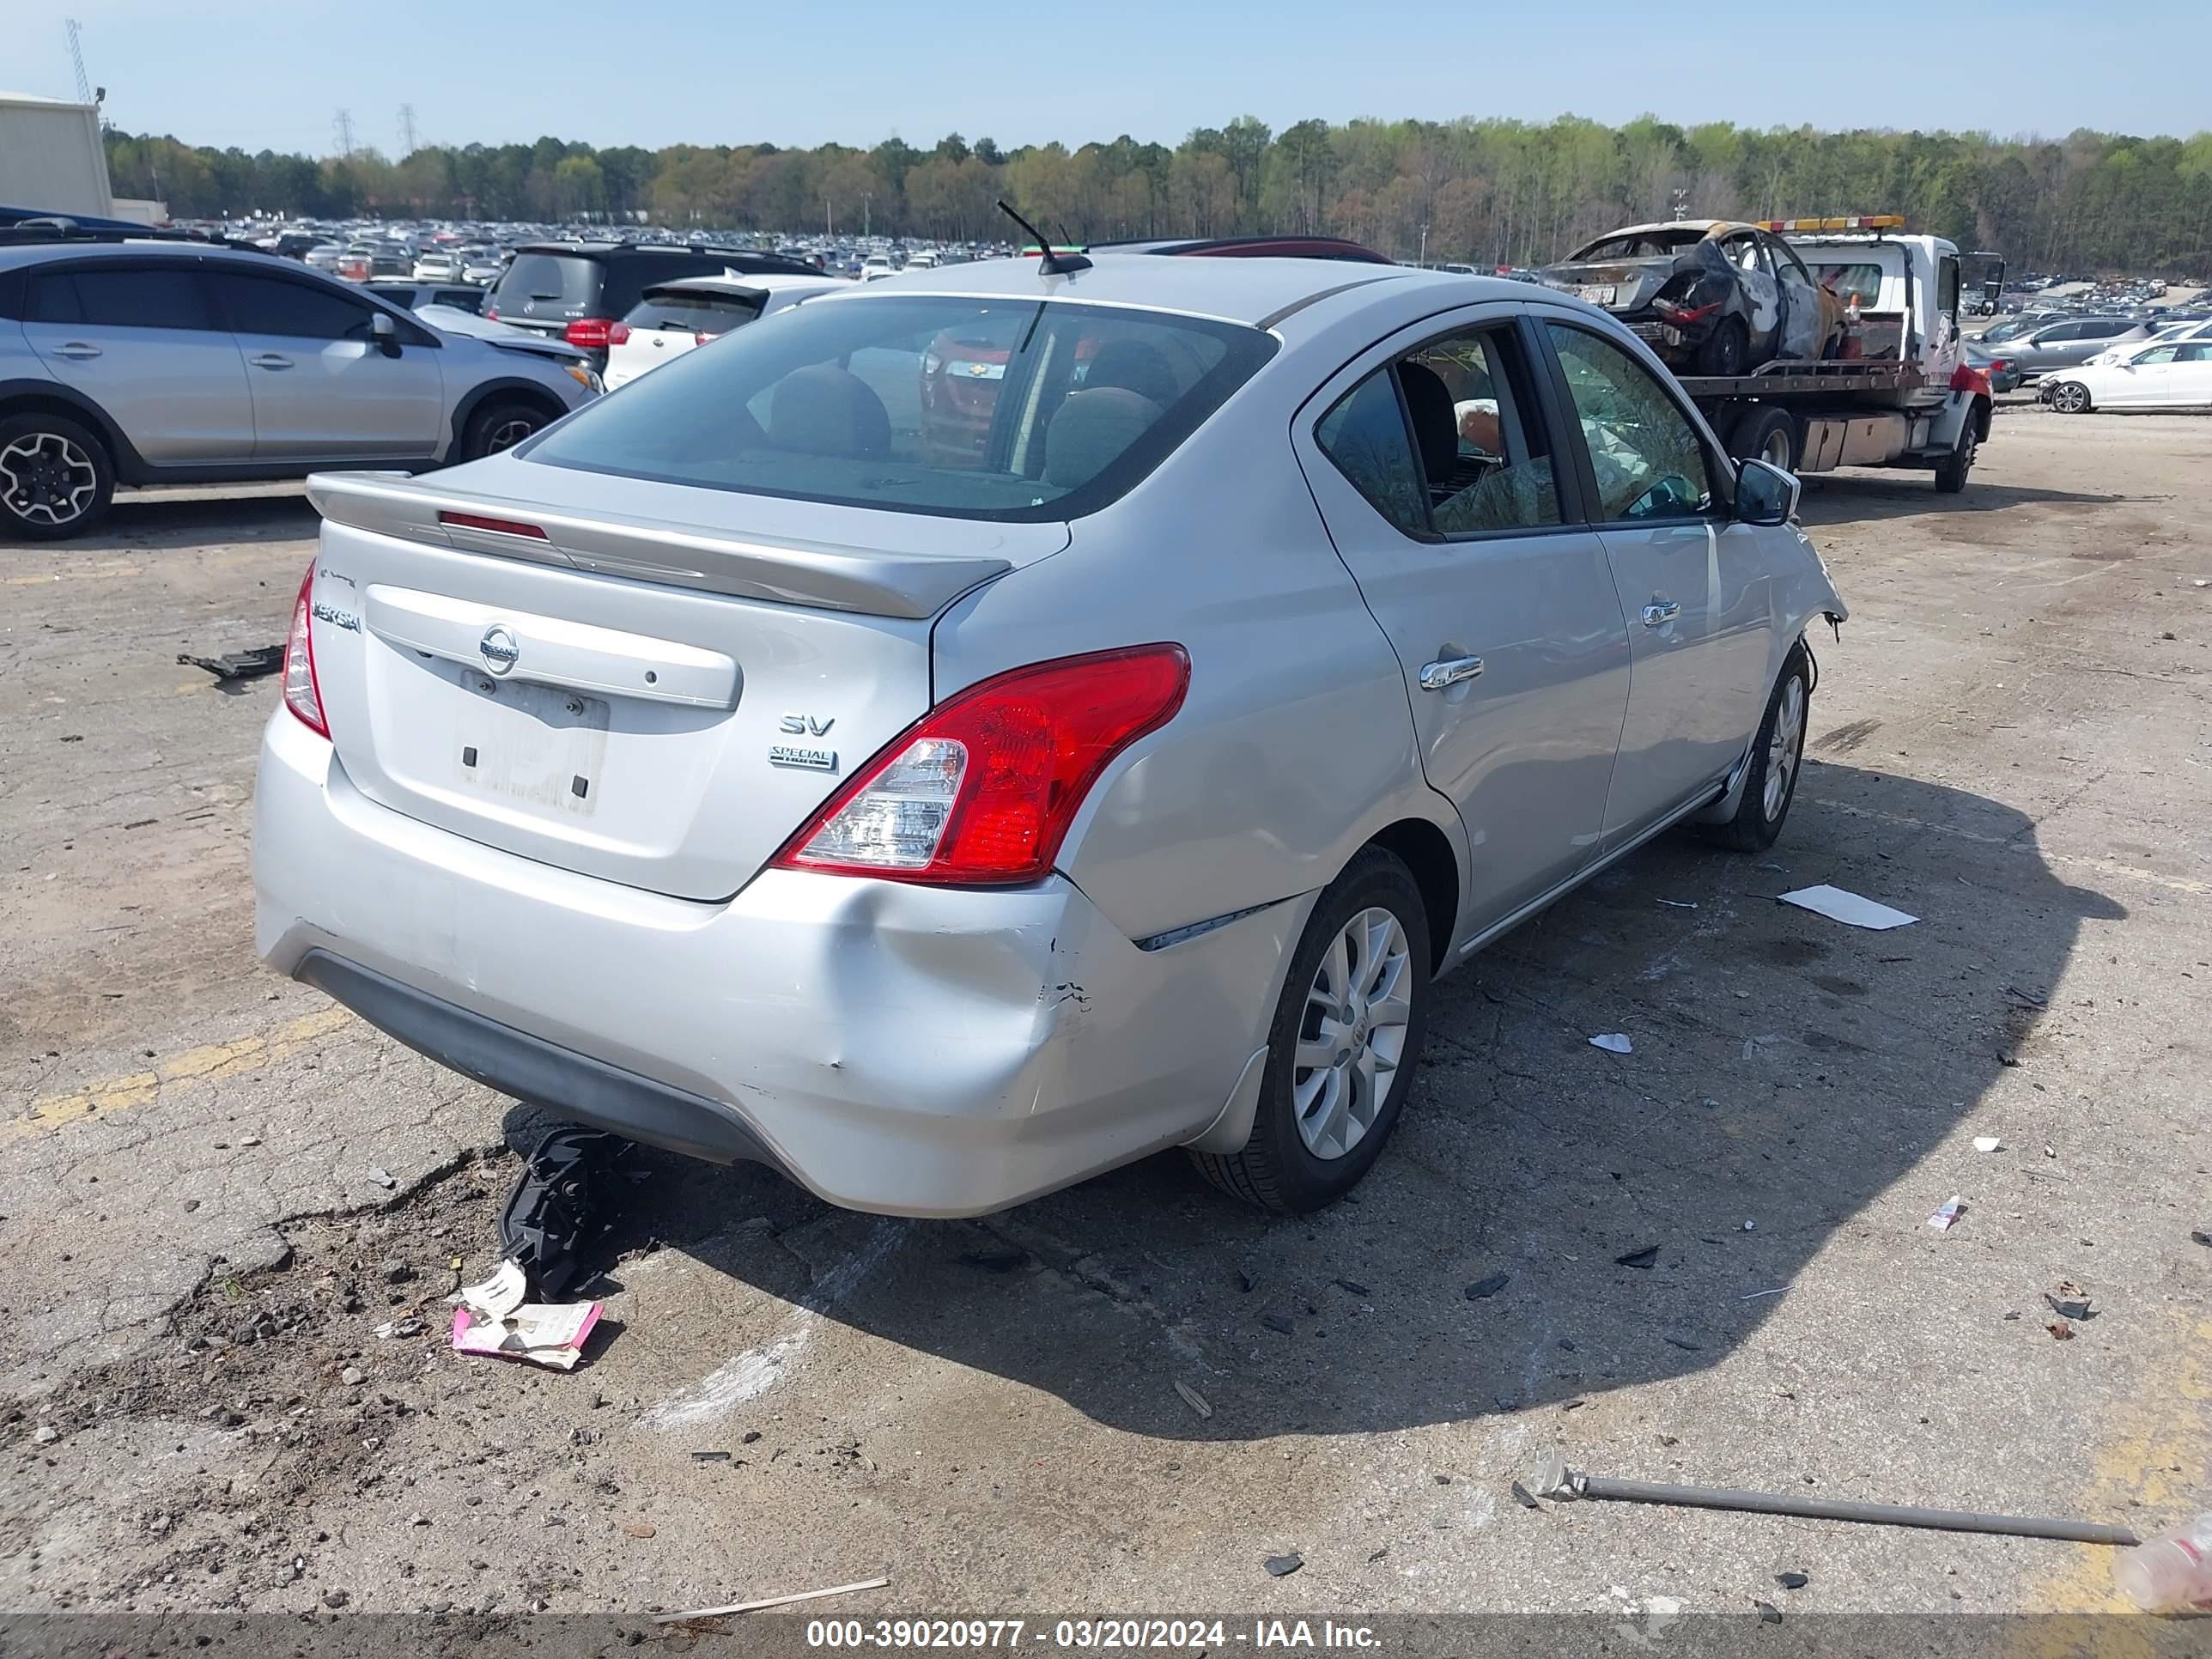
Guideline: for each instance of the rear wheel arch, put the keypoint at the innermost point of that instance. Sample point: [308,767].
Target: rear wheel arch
[1426,851]
[42,398]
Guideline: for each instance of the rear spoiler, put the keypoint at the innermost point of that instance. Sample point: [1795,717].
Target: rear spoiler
[824,575]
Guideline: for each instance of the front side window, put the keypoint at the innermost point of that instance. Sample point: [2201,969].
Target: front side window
[2156,355]
[270,305]
[1002,409]
[1947,287]
[1647,457]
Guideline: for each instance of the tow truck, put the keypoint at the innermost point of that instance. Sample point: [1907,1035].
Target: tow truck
[1901,393]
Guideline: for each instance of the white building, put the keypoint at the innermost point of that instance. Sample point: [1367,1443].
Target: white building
[53,161]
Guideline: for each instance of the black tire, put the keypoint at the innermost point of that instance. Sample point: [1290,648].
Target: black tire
[1951,472]
[1726,350]
[1758,821]
[2070,398]
[501,424]
[1766,434]
[1277,1169]
[55,478]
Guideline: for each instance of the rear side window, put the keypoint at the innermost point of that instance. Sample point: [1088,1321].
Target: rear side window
[149,297]
[269,305]
[2196,352]
[1365,435]
[1021,411]
[700,313]
[2105,327]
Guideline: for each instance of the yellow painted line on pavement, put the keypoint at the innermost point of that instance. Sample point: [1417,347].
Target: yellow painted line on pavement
[2155,1452]
[2102,867]
[214,1060]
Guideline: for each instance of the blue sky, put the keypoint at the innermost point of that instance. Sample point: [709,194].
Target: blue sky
[258,73]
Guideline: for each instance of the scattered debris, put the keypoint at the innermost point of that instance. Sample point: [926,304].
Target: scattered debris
[1679,904]
[1553,1479]
[1644,1258]
[1751,1226]
[2200,1236]
[382,1177]
[1752,1045]
[1793,1580]
[1282,1566]
[557,1208]
[1850,909]
[497,1296]
[2060,1330]
[1278,1324]
[352,1377]
[238,664]
[710,1457]
[1352,1286]
[2027,997]
[1768,1612]
[1193,1398]
[1952,1208]
[1245,1282]
[639,1530]
[1682,1343]
[400,1329]
[45,1434]
[1613,1043]
[1524,1497]
[550,1334]
[2070,1305]
[1483,1289]
[1753,1295]
[768,1601]
[1988,1143]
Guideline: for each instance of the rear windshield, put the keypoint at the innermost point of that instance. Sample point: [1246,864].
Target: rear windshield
[548,284]
[1007,410]
[701,313]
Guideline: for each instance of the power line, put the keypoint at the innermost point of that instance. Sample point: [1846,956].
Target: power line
[342,123]
[406,131]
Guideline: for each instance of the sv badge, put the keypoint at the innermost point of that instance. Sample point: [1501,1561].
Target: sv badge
[805,726]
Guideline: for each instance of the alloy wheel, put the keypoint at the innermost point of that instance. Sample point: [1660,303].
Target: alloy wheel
[1785,746]
[45,478]
[508,433]
[1352,1036]
[2071,398]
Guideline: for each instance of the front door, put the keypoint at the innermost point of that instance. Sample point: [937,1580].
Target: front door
[1690,581]
[324,390]
[1434,463]
[137,337]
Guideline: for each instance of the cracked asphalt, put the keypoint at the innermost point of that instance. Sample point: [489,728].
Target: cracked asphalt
[217,1186]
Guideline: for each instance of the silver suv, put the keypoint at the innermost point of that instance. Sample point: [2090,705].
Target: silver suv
[136,361]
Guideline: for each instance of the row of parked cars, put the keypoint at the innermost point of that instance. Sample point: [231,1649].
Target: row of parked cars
[2079,363]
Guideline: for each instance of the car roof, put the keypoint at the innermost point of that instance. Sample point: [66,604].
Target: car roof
[767,282]
[13,255]
[1250,291]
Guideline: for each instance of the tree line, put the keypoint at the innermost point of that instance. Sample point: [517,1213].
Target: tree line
[1481,191]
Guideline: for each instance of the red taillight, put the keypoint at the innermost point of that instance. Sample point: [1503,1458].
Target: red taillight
[492,311]
[701,339]
[589,332]
[1683,316]
[982,789]
[618,334]
[302,696]
[497,527]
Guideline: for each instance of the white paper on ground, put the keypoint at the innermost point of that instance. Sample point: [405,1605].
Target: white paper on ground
[1613,1043]
[1988,1143]
[544,1333]
[1941,1220]
[497,1296]
[1838,905]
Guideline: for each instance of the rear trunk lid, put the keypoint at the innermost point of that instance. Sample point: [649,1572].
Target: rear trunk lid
[547,291]
[647,683]
[1616,284]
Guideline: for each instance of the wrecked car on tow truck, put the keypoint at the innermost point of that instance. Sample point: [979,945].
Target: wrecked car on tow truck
[1710,296]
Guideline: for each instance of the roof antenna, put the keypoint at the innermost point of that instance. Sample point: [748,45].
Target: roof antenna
[1052,263]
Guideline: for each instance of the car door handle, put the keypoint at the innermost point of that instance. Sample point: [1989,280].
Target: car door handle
[271,360]
[1657,615]
[76,349]
[1442,675]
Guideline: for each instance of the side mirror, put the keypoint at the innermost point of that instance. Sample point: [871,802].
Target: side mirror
[1766,494]
[383,333]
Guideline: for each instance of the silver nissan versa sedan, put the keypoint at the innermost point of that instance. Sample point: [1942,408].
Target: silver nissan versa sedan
[961,735]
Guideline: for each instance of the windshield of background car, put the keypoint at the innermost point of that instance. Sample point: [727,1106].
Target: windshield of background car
[1011,410]
[700,313]
[548,284]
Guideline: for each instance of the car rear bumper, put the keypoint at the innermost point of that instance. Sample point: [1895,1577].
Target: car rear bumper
[892,1048]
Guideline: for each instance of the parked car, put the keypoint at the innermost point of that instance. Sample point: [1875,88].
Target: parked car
[483,266]
[2071,342]
[1994,366]
[731,774]
[1709,296]
[876,267]
[580,290]
[437,265]
[124,360]
[2166,375]
[2162,333]
[673,318]
[410,294]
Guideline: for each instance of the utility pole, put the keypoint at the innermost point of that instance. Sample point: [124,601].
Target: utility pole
[342,123]
[1425,247]
[406,131]
[865,199]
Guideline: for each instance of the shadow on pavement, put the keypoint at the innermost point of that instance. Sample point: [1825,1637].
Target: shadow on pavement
[1788,1072]
[159,519]
[1845,498]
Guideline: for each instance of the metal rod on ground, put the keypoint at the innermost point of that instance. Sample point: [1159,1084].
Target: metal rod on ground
[768,1601]
[1555,1480]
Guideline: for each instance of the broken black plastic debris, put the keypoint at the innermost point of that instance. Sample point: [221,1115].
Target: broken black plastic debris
[710,1457]
[238,664]
[1792,1580]
[1483,1289]
[2070,1307]
[559,1207]
[1277,1323]
[1768,1612]
[1523,1498]
[1353,1287]
[1282,1566]
[1646,1257]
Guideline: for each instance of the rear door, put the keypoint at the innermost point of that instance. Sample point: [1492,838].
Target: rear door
[140,338]
[324,390]
[1690,581]
[2191,383]
[1432,457]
